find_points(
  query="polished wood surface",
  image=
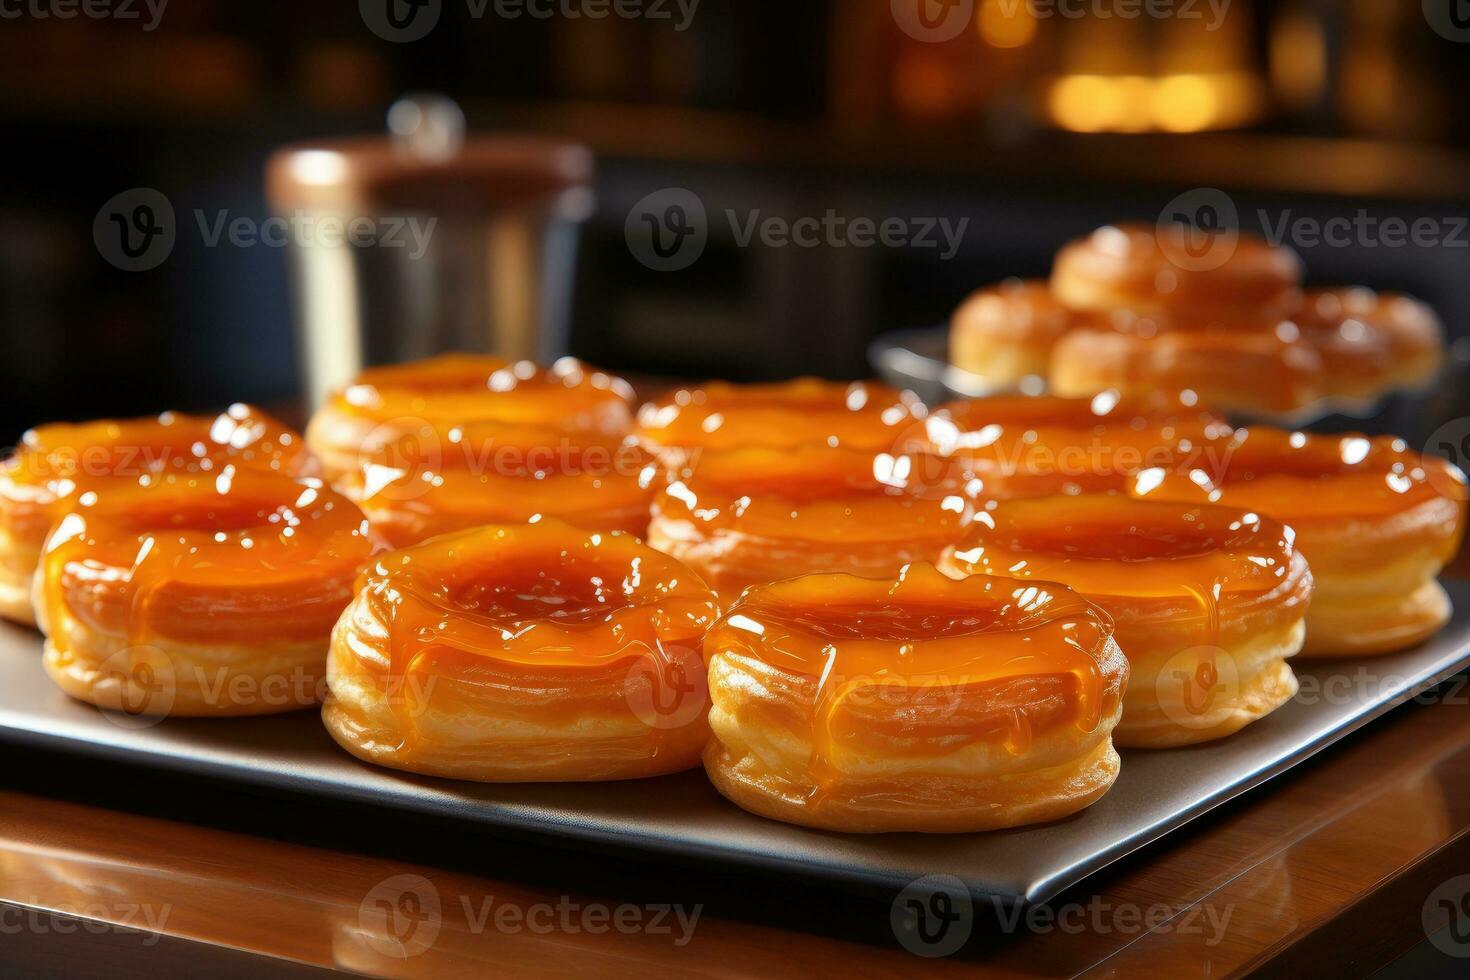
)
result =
(1328, 868)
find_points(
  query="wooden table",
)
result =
(108, 869)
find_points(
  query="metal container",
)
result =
(427, 240)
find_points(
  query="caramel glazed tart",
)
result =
(963, 737)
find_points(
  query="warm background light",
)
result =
(1006, 23)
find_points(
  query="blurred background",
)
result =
(1034, 121)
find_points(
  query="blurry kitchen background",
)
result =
(1035, 128)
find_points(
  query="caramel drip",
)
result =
(543, 596)
(924, 632)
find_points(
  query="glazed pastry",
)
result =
(396, 416)
(1375, 520)
(1023, 446)
(861, 415)
(1208, 602)
(199, 594)
(1358, 317)
(1004, 334)
(56, 465)
(917, 704)
(526, 653)
(1265, 370)
(749, 516)
(1172, 270)
(499, 474)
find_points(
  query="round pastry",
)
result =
(1249, 368)
(57, 464)
(748, 516)
(526, 653)
(1408, 328)
(409, 410)
(1208, 602)
(1174, 269)
(918, 704)
(1357, 356)
(490, 473)
(1004, 334)
(1023, 446)
(861, 415)
(1375, 520)
(199, 594)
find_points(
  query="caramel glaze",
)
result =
(57, 464)
(410, 405)
(1036, 446)
(1173, 576)
(1371, 515)
(718, 416)
(557, 633)
(1168, 268)
(752, 515)
(189, 563)
(909, 673)
(489, 473)
(1406, 333)
(1250, 364)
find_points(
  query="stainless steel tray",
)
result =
(682, 816)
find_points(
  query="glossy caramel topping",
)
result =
(221, 543)
(456, 389)
(62, 461)
(1024, 309)
(543, 594)
(491, 473)
(1020, 445)
(820, 493)
(1178, 267)
(1359, 315)
(972, 638)
(1108, 545)
(1301, 478)
(862, 415)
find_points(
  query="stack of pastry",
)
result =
(856, 614)
(1139, 309)
(459, 441)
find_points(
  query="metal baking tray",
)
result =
(683, 817)
(917, 358)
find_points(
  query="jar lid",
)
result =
(428, 164)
